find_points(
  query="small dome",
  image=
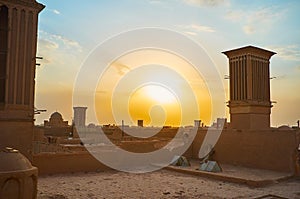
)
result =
(91, 125)
(13, 160)
(284, 127)
(56, 115)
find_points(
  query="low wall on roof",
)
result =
(265, 149)
(51, 163)
(271, 149)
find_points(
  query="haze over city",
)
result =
(149, 99)
(215, 25)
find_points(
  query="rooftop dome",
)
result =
(18, 178)
(13, 160)
(284, 127)
(56, 115)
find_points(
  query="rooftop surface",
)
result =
(168, 184)
(236, 174)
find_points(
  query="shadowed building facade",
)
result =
(18, 40)
(249, 104)
(140, 123)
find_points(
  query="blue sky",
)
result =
(70, 30)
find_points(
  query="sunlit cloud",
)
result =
(56, 12)
(60, 41)
(56, 47)
(200, 28)
(290, 52)
(121, 68)
(67, 42)
(249, 29)
(204, 3)
(193, 29)
(155, 2)
(190, 33)
(255, 21)
(43, 43)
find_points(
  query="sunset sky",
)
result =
(69, 31)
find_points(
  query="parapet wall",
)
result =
(51, 163)
(265, 149)
(82, 161)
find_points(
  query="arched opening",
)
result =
(3, 50)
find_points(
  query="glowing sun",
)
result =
(159, 94)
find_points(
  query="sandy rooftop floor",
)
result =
(159, 184)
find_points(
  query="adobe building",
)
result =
(56, 120)
(79, 116)
(18, 33)
(249, 104)
(197, 123)
(18, 39)
(56, 126)
(220, 124)
(140, 123)
(249, 141)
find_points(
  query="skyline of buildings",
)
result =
(216, 27)
(254, 61)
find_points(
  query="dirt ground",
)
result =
(159, 184)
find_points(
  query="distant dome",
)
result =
(56, 115)
(91, 125)
(284, 127)
(56, 120)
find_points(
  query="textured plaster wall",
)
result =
(50, 163)
(18, 135)
(268, 149)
